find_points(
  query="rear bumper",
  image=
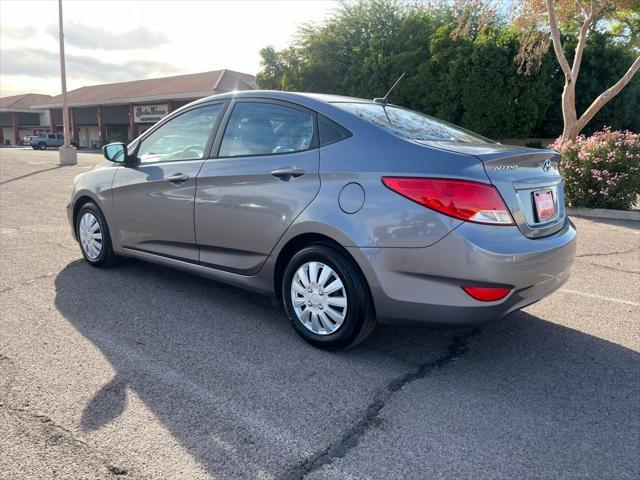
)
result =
(423, 285)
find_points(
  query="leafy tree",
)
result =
(468, 76)
(542, 21)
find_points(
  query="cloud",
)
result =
(19, 33)
(88, 37)
(44, 64)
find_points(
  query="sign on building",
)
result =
(149, 113)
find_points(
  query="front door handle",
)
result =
(288, 172)
(178, 178)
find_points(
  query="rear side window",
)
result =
(266, 129)
(330, 131)
(52, 135)
(411, 125)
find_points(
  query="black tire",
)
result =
(34, 147)
(106, 258)
(359, 320)
(42, 146)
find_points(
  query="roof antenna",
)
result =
(384, 99)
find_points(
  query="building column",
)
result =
(52, 120)
(1, 135)
(72, 126)
(16, 128)
(170, 107)
(133, 127)
(102, 128)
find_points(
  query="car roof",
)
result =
(290, 96)
(324, 104)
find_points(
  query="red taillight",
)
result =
(463, 199)
(487, 294)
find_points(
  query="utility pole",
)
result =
(68, 153)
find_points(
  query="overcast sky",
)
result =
(119, 40)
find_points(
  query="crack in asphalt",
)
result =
(51, 430)
(609, 267)
(371, 416)
(604, 254)
(25, 414)
(39, 277)
(55, 432)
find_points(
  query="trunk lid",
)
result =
(520, 174)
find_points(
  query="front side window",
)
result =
(411, 125)
(266, 129)
(181, 138)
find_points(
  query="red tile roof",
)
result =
(23, 102)
(167, 88)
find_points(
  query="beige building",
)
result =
(18, 118)
(121, 111)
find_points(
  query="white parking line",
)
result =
(600, 297)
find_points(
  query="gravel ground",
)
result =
(144, 372)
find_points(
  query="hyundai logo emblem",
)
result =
(546, 165)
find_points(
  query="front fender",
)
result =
(93, 186)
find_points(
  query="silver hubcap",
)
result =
(319, 298)
(90, 235)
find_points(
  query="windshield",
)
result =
(411, 125)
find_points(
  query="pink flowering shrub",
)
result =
(601, 171)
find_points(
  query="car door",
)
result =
(265, 173)
(153, 197)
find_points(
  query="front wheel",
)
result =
(326, 298)
(93, 236)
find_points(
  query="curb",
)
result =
(633, 216)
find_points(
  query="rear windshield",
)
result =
(411, 125)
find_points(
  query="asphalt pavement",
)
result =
(139, 371)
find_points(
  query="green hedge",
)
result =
(471, 80)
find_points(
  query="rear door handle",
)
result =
(288, 172)
(178, 178)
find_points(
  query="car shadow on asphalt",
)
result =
(224, 371)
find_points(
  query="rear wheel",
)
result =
(42, 146)
(93, 236)
(326, 298)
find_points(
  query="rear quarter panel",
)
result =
(386, 219)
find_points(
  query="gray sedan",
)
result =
(350, 211)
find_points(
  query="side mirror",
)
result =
(115, 152)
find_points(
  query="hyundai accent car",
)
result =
(350, 211)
